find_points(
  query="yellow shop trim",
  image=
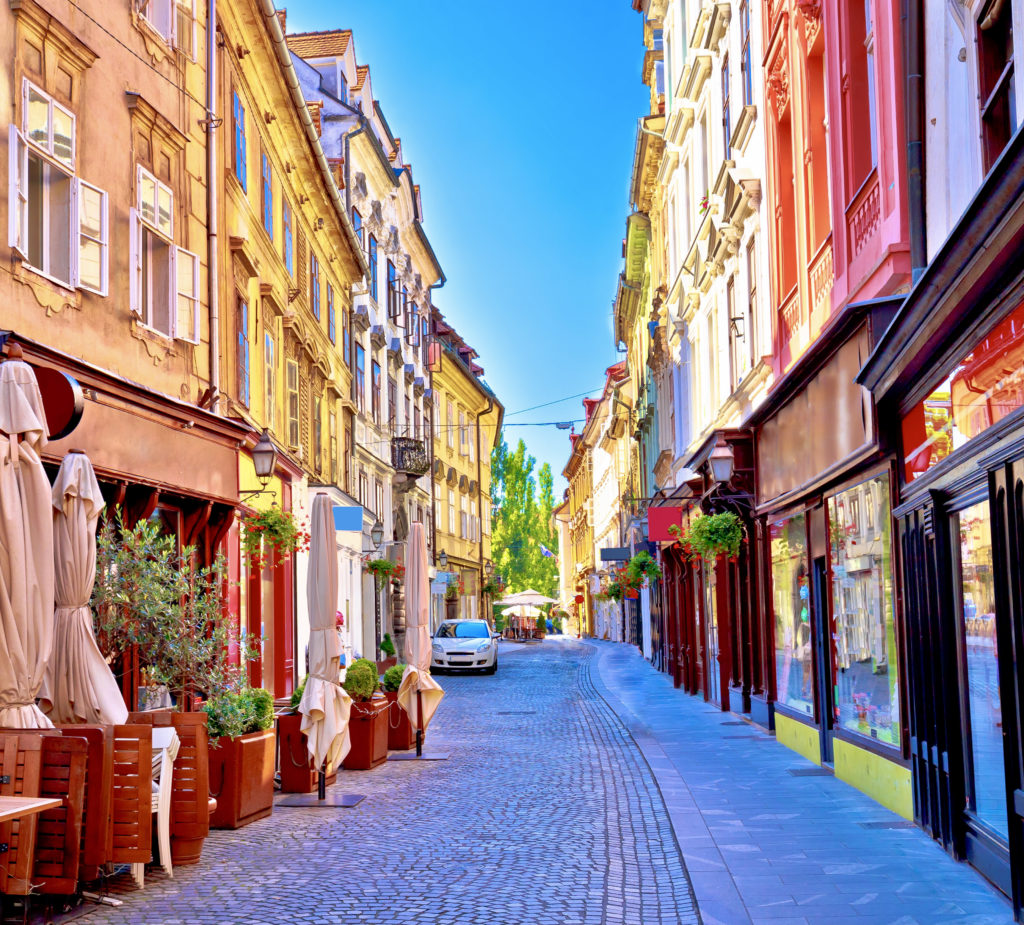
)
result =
(883, 780)
(800, 737)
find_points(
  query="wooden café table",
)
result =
(12, 808)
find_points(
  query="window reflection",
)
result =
(866, 693)
(978, 617)
(791, 597)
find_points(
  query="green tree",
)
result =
(521, 520)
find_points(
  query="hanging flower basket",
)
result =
(632, 594)
(642, 568)
(714, 535)
(381, 569)
(454, 591)
(491, 587)
(270, 536)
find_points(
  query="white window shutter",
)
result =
(187, 289)
(84, 231)
(172, 294)
(17, 204)
(74, 235)
(135, 260)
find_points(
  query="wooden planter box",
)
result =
(368, 727)
(297, 772)
(401, 734)
(241, 778)
(190, 785)
(384, 664)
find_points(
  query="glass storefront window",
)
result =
(978, 631)
(983, 388)
(860, 533)
(791, 599)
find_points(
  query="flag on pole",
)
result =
(545, 552)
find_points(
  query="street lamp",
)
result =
(442, 561)
(377, 537)
(721, 461)
(264, 461)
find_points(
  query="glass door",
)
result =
(982, 715)
(711, 646)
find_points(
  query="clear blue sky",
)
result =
(519, 121)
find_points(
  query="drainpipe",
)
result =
(212, 205)
(914, 62)
(430, 376)
(480, 485)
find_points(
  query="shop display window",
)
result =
(983, 714)
(982, 389)
(791, 600)
(866, 664)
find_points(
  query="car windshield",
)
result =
(466, 630)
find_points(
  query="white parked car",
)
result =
(464, 644)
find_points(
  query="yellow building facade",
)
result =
(468, 419)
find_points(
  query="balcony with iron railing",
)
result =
(409, 456)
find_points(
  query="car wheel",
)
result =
(491, 669)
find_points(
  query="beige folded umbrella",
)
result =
(325, 704)
(78, 686)
(26, 548)
(419, 694)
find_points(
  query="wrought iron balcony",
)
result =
(409, 455)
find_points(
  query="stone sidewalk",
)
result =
(763, 846)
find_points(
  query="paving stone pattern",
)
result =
(546, 813)
(765, 846)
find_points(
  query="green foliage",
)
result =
(298, 692)
(235, 713)
(361, 679)
(393, 677)
(642, 565)
(271, 535)
(556, 624)
(387, 646)
(714, 535)
(521, 520)
(149, 595)
(381, 570)
(499, 622)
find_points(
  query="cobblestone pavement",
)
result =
(545, 814)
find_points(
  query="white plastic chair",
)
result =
(165, 749)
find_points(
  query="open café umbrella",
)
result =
(419, 694)
(26, 547)
(325, 704)
(529, 597)
(78, 686)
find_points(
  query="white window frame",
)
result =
(21, 145)
(169, 31)
(138, 225)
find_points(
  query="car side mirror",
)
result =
(495, 635)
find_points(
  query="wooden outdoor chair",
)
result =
(132, 795)
(165, 749)
(58, 846)
(97, 816)
(21, 769)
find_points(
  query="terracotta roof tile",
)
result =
(361, 71)
(320, 44)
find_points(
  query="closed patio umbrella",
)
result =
(325, 704)
(78, 686)
(26, 548)
(418, 693)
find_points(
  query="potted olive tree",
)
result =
(241, 756)
(368, 721)
(401, 735)
(156, 602)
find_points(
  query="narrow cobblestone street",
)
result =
(546, 813)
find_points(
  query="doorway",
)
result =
(824, 668)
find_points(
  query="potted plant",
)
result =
(401, 735)
(713, 535)
(241, 755)
(296, 766)
(368, 721)
(156, 602)
(642, 568)
(387, 647)
(381, 570)
(272, 535)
